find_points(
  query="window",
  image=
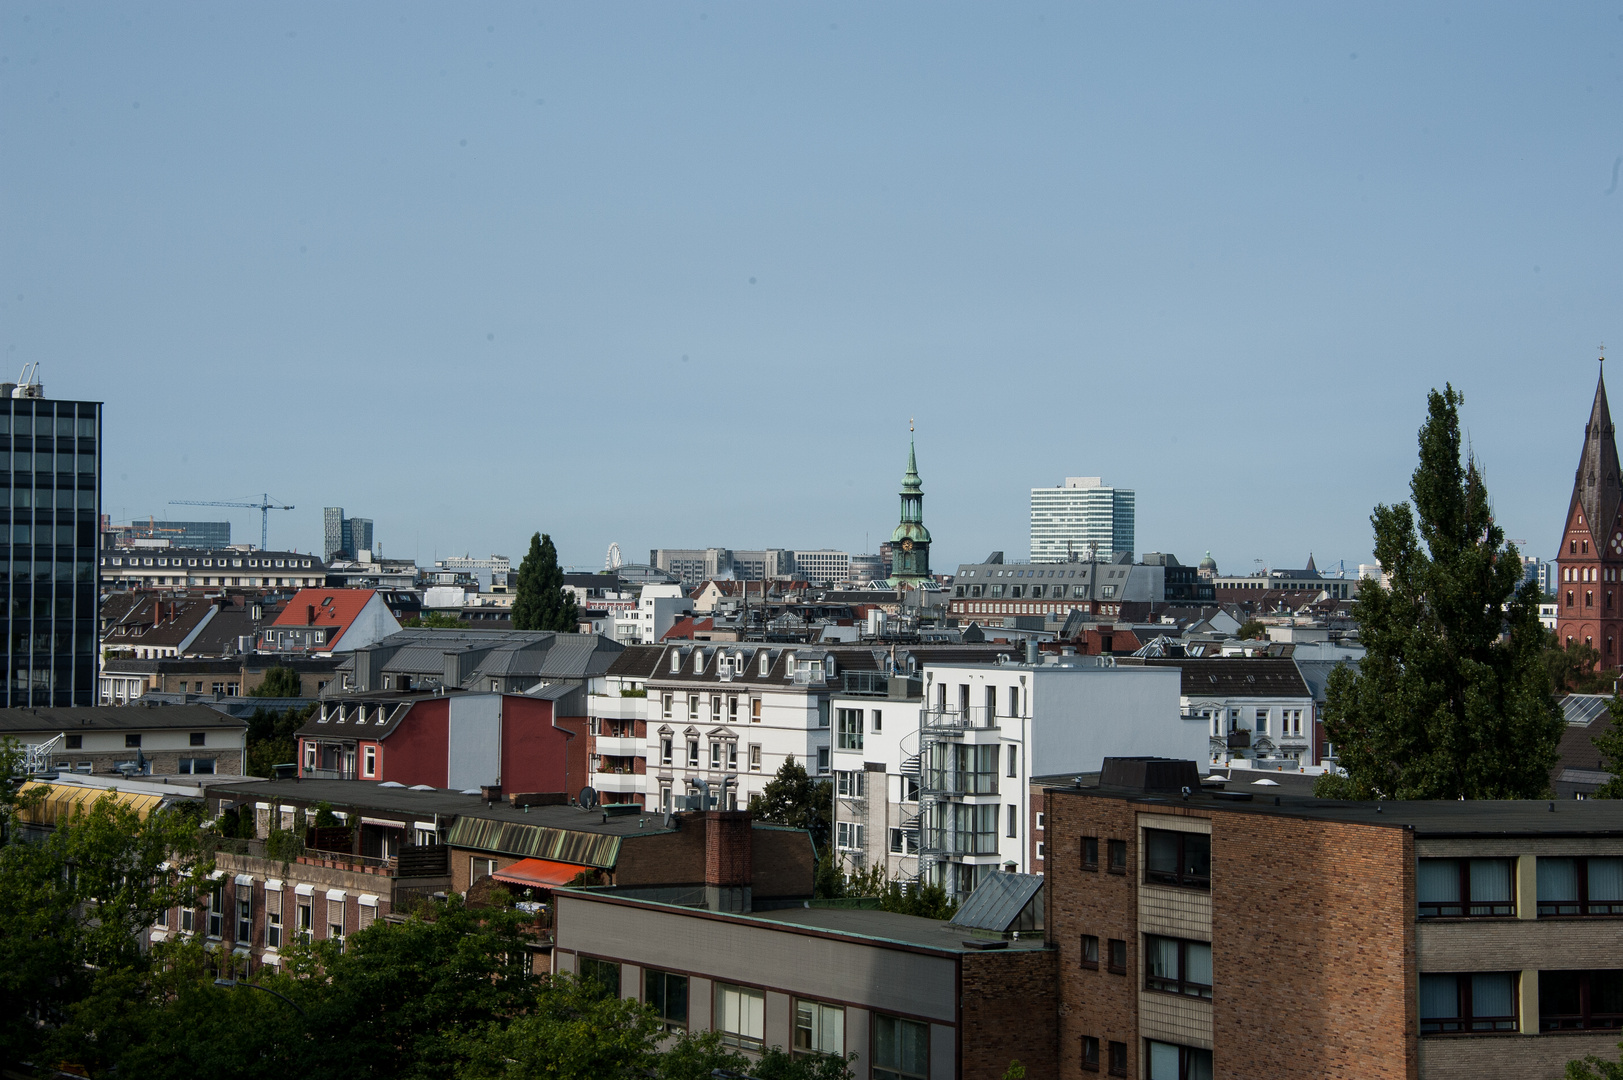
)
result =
(819, 1028)
(1039, 851)
(196, 738)
(369, 761)
(1118, 1059)
(1090, 853)
(196, 766)
(755, 710)
(732, 708)
(876, 718)
(132, 741)
(715, 754)
(850, 835)
(822, 759)
(1174, 966)
(693, 706)
(273, 918)
(850, 783)
(1261, 724)
(187, 920)
(1090, 1053)
(1118, 856)
(1458, 1004)
(1039, 819)
(732, 755)
(1118, 956)
(1169, 1062)
(479, 867)
(666, 703)
(1580, 886)
(1580, 1000)
(693, 753)
(1178, 858)
(604, 975)
(665, 751)
(740, 1012)
(755, 757)
(1012, 827)
(668, 994)
(1090, 951)
(848, 727)
(1014, 761)
(216, 912)
(715, 707)
(75, 742)
(1465, 888)
(901, 1048)
(245, 914)
(306, 918)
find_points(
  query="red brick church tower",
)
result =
(1590, 593)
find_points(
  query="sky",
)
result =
(680, 274)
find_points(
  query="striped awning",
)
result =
(539, 873)
(536, 841)
(62, 801)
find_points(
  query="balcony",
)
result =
(959, 783)
(619, 783)
(975, 717)
(1239, 740)
(623, 746)
(328, 774)
(605, 707)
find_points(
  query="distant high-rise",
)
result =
(1081, 517)
(54, 455)
(343, 537)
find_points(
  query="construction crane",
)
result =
(264, 506)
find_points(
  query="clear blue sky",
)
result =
(678, 274)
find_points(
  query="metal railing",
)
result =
(329, 774)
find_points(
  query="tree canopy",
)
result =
(539, 601)
(1452, 698)
(279, 682)
(793, 798)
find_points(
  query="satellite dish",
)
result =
(588, 798)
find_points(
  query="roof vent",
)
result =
(392, 783)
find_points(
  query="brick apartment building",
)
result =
(1223, 933)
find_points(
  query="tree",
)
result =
(1594, 1068)
(1574, 668)
(1251, 628)
(1610, 745)
(435, 620)
(271, 739)
(1452, 698)
(793, 798)
(279, 681)
(540, 602)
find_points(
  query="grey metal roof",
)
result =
(997, 902)
(114, 717)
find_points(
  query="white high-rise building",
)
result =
(1081, 515)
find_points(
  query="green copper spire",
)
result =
(910, 542)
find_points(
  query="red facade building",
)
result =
(1590, 595)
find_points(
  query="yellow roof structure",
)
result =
(61, 801)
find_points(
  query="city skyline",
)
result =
(1202, 237)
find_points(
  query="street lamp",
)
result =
(233, 984)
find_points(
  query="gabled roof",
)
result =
(337, 608)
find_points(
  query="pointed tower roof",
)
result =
(911, 482)
(1597, 487)
(1310, 567)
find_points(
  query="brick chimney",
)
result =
(309, 614)
(729, 865)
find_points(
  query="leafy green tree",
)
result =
(1452, 698)
(540, 602)
(279, 681)
(271, 739)
(1574, 669)
(1251, 628)
(436, 620)
(793, 798)
(1594, 1068)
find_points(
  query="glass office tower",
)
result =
(53, 453)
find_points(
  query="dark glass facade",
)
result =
(50, 519)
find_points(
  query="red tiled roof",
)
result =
(325, 607)
(684, 628)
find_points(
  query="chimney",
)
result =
(309, 614)
(729, 865)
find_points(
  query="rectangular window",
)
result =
(822, 760)
(197, 737)
(693, 707)
(1466, 888)
(666, 702)
(245, 915)
(1167, 1061)
(755, 757)
(1039, 820)
(819, 1028)
(1014, 761)
(1090, 951)
(1118, 956)
(187, 920)
(732, 708)
(369, 761)
(715, 708)
(848, 728)
(755, 710)
(740, 1016)
(306, 927)
(132, 741)
(1580, 1000)
(1580, 886)
(1118, 1059)
(1012, 827)
(715, 755)
(1463, 1003)
(668, 994)
(1090, 1053)
(1178, 858)
(1118, 856)
(273, 918)
(1175, 966)
(850, 836)
(693, 753)
(1090, 853)
(665, 751)
(216, 912)
(479, 867)
(901, 1048)
(1262, 722)
(732, 756)
(876, 718)
(602, 974)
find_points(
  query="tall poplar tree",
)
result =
(1452, 698)
(540, 602)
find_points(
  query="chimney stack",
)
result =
(729, 863)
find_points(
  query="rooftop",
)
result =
(115, 718)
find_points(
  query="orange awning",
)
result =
(539, 873)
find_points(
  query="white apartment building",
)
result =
(945, 793)
(658, 608)
(1081, 516)
(1253, 710)
(823, 566)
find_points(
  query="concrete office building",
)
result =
(53, 454)
(343, 537)
(1080, 517)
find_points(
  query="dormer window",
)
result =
(698, 661)
(766, 663)
(676, 662)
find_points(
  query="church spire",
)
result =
(1596, 488)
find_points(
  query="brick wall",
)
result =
(728, 848)
(1098, 1002)
(785, 864)
(663, 858)
(1009, 1008)
(1314, 950)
